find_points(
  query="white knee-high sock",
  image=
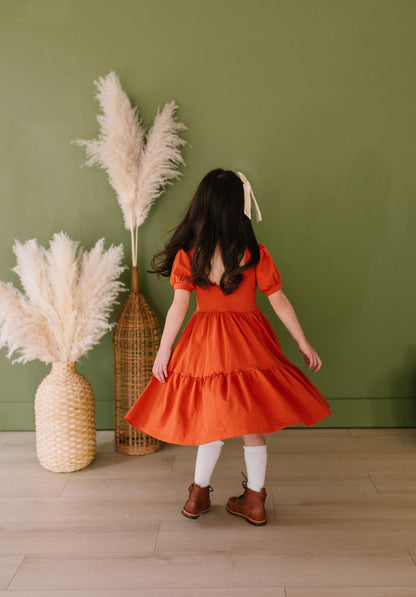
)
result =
(256, 462)
(206, 459)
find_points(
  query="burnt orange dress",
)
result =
(227, 375)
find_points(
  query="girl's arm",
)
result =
(174, 319)
(286, 313)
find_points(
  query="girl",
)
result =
(227, 375)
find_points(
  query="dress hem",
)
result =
(186, 442)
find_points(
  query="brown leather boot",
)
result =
(249, 505)
(198, 500)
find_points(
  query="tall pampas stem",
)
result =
(139, 169)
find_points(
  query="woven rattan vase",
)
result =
(136, 338)
(65, 420)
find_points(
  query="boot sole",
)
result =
(189, 515)
(257, 523)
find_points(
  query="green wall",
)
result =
(313, 100)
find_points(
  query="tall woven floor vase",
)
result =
(65, 420)
(136, 339)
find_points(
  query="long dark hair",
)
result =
(214, 215)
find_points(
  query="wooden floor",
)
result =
(341, 509)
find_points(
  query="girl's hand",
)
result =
(160, 366)
(311, 356)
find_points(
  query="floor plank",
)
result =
(217, 570)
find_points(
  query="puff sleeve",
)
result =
(267, 275)
(181, 268)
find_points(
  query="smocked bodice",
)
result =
(242, 299)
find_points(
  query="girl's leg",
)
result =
(206, 459)
(254, 439)
(255, 456)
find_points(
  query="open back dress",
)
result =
(227, 374)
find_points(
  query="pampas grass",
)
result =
(68, 296)
(138, 170)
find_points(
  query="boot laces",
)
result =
(244, 484)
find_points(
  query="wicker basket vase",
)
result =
(136, 339)
(65, 420)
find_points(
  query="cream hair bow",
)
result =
(248, 194)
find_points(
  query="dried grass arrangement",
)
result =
(62, 313)
(139, 167)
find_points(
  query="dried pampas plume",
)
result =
(138, 170)
(68, 296)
